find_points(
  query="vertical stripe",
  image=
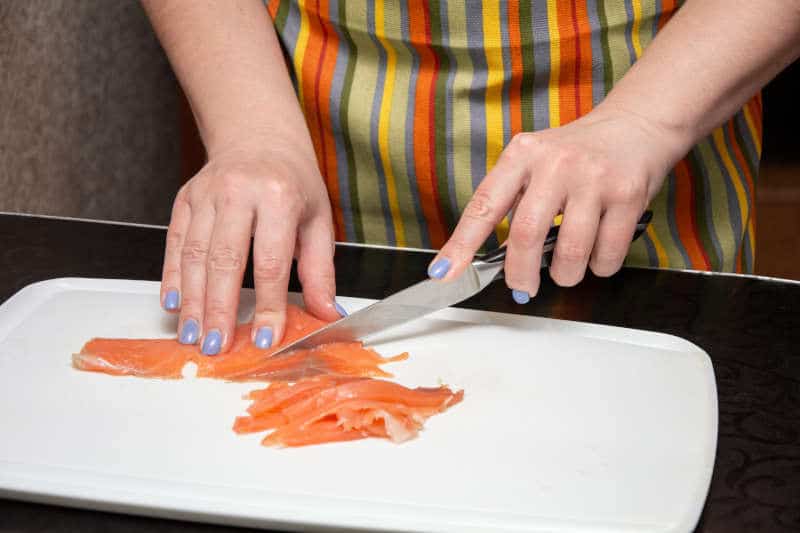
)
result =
(343, 217)
(440, 119)
(497, 113)
(386, 105)
(555, 63)
(541, 61)
(323, 92)
(424, 135)
(737, 200)
(527, 52)
(409, 127)
(598, 52)
(706, 207)
(374, 22)
(477, 100)
(300, 53)
(685, 216)
(515, 48)
(672, 193)
(359, 109)
(449, 65)
(309, 75)
(583, 57)
(395, 28)
(349, 187)
(493, 47)
(462, 90)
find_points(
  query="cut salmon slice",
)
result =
(329, 409)
(165, 358)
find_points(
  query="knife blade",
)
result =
(423, 298)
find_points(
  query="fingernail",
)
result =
(263, 338)
(439, 268)
(189, 332)
(521, 297)
(171, 300)
(339, 309)
(212, 343)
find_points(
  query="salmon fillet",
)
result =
(165, 358)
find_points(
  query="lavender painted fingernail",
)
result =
(521, 297)
(212, 343)
(263, 338)
(189, 332)
(439, 268)
(172, 300)
(339, 309)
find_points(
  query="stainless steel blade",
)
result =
(401, 307)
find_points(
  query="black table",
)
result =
(749, 326)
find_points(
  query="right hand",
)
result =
(273, 193)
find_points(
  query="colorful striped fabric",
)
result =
(410, 103)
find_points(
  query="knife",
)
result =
(424, 298)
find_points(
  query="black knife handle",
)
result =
(499, 253)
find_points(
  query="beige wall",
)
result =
(88, 111)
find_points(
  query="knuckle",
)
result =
(191, 304)
(571, 252)
(269, 268)
(283, 194)
(480, 207)
(524, 230)
(521, 143)
(217, 309)
(627, 191)
(458, 247)
(233, 189)
(225, 259)
(194, 252)
(171, 273)
(174, 238)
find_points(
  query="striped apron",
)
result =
(410, 103)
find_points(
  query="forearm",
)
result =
(707, 62)
(228, 60)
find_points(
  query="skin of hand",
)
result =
(603, 169)
(261, 179)
(277, 196)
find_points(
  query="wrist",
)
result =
(670, 140)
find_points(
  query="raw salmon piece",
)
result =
(326, 409)
(165, 358)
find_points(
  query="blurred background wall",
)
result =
(88, 112)
(93, 124)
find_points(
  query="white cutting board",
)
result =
(564, 426)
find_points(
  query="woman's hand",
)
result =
(601, 171)
(274, 193)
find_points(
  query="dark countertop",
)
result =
(749, 326)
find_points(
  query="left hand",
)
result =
(601, 171)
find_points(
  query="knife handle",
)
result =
(499, 254)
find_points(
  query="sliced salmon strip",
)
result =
(326, 409)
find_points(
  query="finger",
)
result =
(613, 240)
(489, 204)
(575, 240)
(533, 217)
(227, 258)
(176, 235)
(315, 269)
(273, 247)
(193, 274)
